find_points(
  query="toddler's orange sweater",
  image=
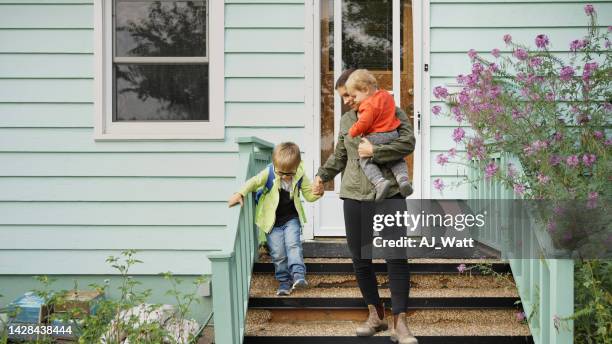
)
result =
(376, 115)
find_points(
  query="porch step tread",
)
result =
(345, 265)
(345, 285)
(422, 323)
(385, 339)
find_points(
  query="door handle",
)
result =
(410, 92)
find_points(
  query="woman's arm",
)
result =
(398, 148)
(335, 163)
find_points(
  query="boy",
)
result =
(377, 121)
(280, 214)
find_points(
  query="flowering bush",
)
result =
(552, 115)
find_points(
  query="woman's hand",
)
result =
(365, 149)
(317, 186)
(235, 199)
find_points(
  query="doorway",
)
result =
(375, 35)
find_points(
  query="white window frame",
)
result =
(106, 129)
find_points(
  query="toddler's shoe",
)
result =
(299, 282)
(405, 187)
(284, 289)
(382, 188)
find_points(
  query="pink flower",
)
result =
(495, 52)
(441, 159)
(592, 202)
(541, 41)
(566, 73)
(519, 189)
(472, 54)
(577, 44)
(589, 68)
(521, 54)
(551, 227)
(440, 92)
(477, 68)
(458, 134)
(588, 159)
(507, 38)
(610, 28)
(490, 170)
(438, 184)
(461, 268)
(436, 110)
(457, 113)
(598, 134)
(589, 10)
(550, 96)
(535, 62)
(572, 161)
(608, 142)
(543, 179)
(452, 152)
(520, 316)
(607, 44)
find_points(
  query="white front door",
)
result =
(375, 35)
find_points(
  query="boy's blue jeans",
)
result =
(286, 251)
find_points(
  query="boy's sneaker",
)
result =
(284, 289)
(300, 283)
(382, 188)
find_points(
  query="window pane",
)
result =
(160, 28)
(161, 92)
(367, 34)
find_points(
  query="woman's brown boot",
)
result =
(400, 332)
(376, 322)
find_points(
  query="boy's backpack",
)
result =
(269, 183)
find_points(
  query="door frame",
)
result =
(421, 86)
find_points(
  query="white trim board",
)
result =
(106, 129)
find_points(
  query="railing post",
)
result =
(223, 301)
(562, 300)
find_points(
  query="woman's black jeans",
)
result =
(359, 234)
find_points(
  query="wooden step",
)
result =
(430, 326)
(417, 266)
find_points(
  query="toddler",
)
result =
(378, 123)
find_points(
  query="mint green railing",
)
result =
(545, 286)
(232, 267)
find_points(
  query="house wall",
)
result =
(459, 25)
(67, 202)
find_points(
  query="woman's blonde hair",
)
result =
(286, 157)
(361, 80)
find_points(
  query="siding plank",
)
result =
(264, 40)
(93, 262)
(264, 90)
(106, 189)
(47, 17)
(46, 66)
(46, 90)
(46, 115)
(114, 164)
(46, 41)
(81, 140)
(264, 65)
(534, 14)
(264, 15)
(114, 213)
(167, 238)
(464, 39)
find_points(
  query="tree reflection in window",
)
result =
(154, 84)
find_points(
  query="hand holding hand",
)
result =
(365, 149)
(235, 199)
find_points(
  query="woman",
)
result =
(357, 194)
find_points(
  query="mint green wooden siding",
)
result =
(460, 25)
(70, 202)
